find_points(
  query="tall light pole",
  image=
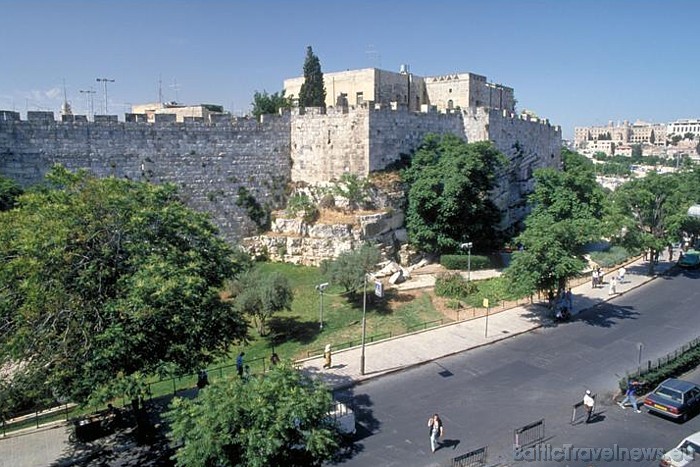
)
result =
(321, 288)
(90, 103)
(468, 246)
(364, 328)
(104, 82)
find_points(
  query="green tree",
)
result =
(643, 205)
(265, 104)
(448, 183)
(260, 296)
(312, 92)
(354, 189)
(279, 419)
(9, 192)
(350, 267)
(568, 209)
(120, 278)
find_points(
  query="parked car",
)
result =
(690, 260)
(683, 454)
(674, 398)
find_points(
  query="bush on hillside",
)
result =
(453, 285)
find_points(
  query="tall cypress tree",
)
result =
(312, 93)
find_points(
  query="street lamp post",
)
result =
(364, 327)
(321, 288)
(90, 104)
(468, 246)
(104, 82)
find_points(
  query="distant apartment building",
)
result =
(619, 138)
(176, 111)
(682, 127)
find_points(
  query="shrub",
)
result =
(462, 262)
(453, 285)
(327, 201)
(683, 362)
(301, 204)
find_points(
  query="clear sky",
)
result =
(577, 63)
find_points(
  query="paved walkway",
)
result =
(407, 351)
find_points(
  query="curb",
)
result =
(359, 382)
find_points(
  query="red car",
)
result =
(674, 398)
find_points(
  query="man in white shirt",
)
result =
(588, 404)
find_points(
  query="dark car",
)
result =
(674, 398)
(690, 260)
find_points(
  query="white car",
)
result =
(683, 454)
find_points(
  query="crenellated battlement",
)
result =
(212, 158)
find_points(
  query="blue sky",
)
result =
(575, 62)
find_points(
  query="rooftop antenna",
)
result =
(176, 88)
(65, 108)
(373, 56)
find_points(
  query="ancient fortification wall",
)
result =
(210, 161)
(207, 161)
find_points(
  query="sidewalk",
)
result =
(411, 350)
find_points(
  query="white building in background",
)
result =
(681, 127)
(655, 139)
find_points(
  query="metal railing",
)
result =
(475, 458)
(529, 435)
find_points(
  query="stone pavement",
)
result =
(400, 353)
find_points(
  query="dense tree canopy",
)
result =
(107, 278)
(264, 103)
(654, 209)
(313, 91)
(278, 419)
(449, 182)
(567, 212)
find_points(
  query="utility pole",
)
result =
(104, 82)
(90, 104)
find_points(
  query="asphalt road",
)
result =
(484, 394)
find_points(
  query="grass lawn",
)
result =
(295, 334)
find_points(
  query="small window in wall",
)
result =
(450, 104)
(329, 136)
(359, 98)
(450, 91)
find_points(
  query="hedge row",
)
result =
(685, 361)
(462, 262)
(611, 257)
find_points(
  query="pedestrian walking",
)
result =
(613, 286)
(569, 301)
(202, 379)
(327, 356)
(588, 404)
(246, 373)
(239, 364)
(631, 395)
(435, 430)
(594, 279)
(670, 252)
(621, 274)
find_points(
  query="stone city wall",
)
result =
(209, 162)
